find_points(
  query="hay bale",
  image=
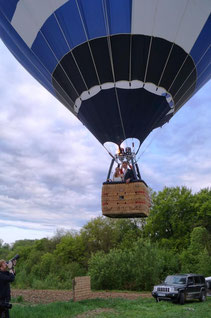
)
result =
(81, 288)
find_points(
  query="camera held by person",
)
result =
(12, 262)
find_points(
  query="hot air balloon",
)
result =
(122, 67)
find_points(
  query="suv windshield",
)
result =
(175, 280)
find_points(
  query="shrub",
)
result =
(137, 268)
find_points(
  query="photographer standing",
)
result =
(6, 277)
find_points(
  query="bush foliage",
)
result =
(132, 254)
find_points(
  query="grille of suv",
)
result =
(163, 289)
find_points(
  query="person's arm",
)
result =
(130, 176)
(7, 277)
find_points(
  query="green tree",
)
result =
(70, 249)
(202, 203)
(104, 234)
(99, 235)
(172, 218)
(196, 257)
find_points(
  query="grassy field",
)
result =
(112, 308)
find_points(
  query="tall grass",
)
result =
(113, 308)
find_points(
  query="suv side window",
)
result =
(202, 280)
(182, 280)
(190, 280)
(197, 280)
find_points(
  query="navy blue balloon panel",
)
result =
(123, 67)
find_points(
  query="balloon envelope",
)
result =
(123, 67)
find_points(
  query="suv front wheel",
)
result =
(182, 298)
(202, 296)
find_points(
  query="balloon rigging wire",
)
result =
(138, 148)
(173, 43)
(148, 57)
(87, 39)
(193, 70)
(178, 72)
(183, 65)
(59, 63)
(51, 49)
(180, 23)
(104, 6)
(147, 146)
(71, 51)
(150, 44)
(130, 60)
(111, 154)
(164, 68)
(176, 110)
(178, 29)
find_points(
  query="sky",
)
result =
(52, 168)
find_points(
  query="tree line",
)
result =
(131, 254)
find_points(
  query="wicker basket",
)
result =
(122, 200)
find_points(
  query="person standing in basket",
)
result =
(128, 173)
(118, 175)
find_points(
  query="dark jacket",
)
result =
(5, 279)
(129, 175)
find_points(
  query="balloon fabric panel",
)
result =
(8, 8)
(100, 50)
(92, 15)
(119, 16)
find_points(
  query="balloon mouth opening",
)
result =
(135, 84)
(114, 149)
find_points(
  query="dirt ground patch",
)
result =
(98, 311)
(48, 296)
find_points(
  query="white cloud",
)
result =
(181, 152)
(11, 233)
(49, 170)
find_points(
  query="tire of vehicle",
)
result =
(182, 298)
(157, 300)
(202, 296)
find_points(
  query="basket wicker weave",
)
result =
(122, 200)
